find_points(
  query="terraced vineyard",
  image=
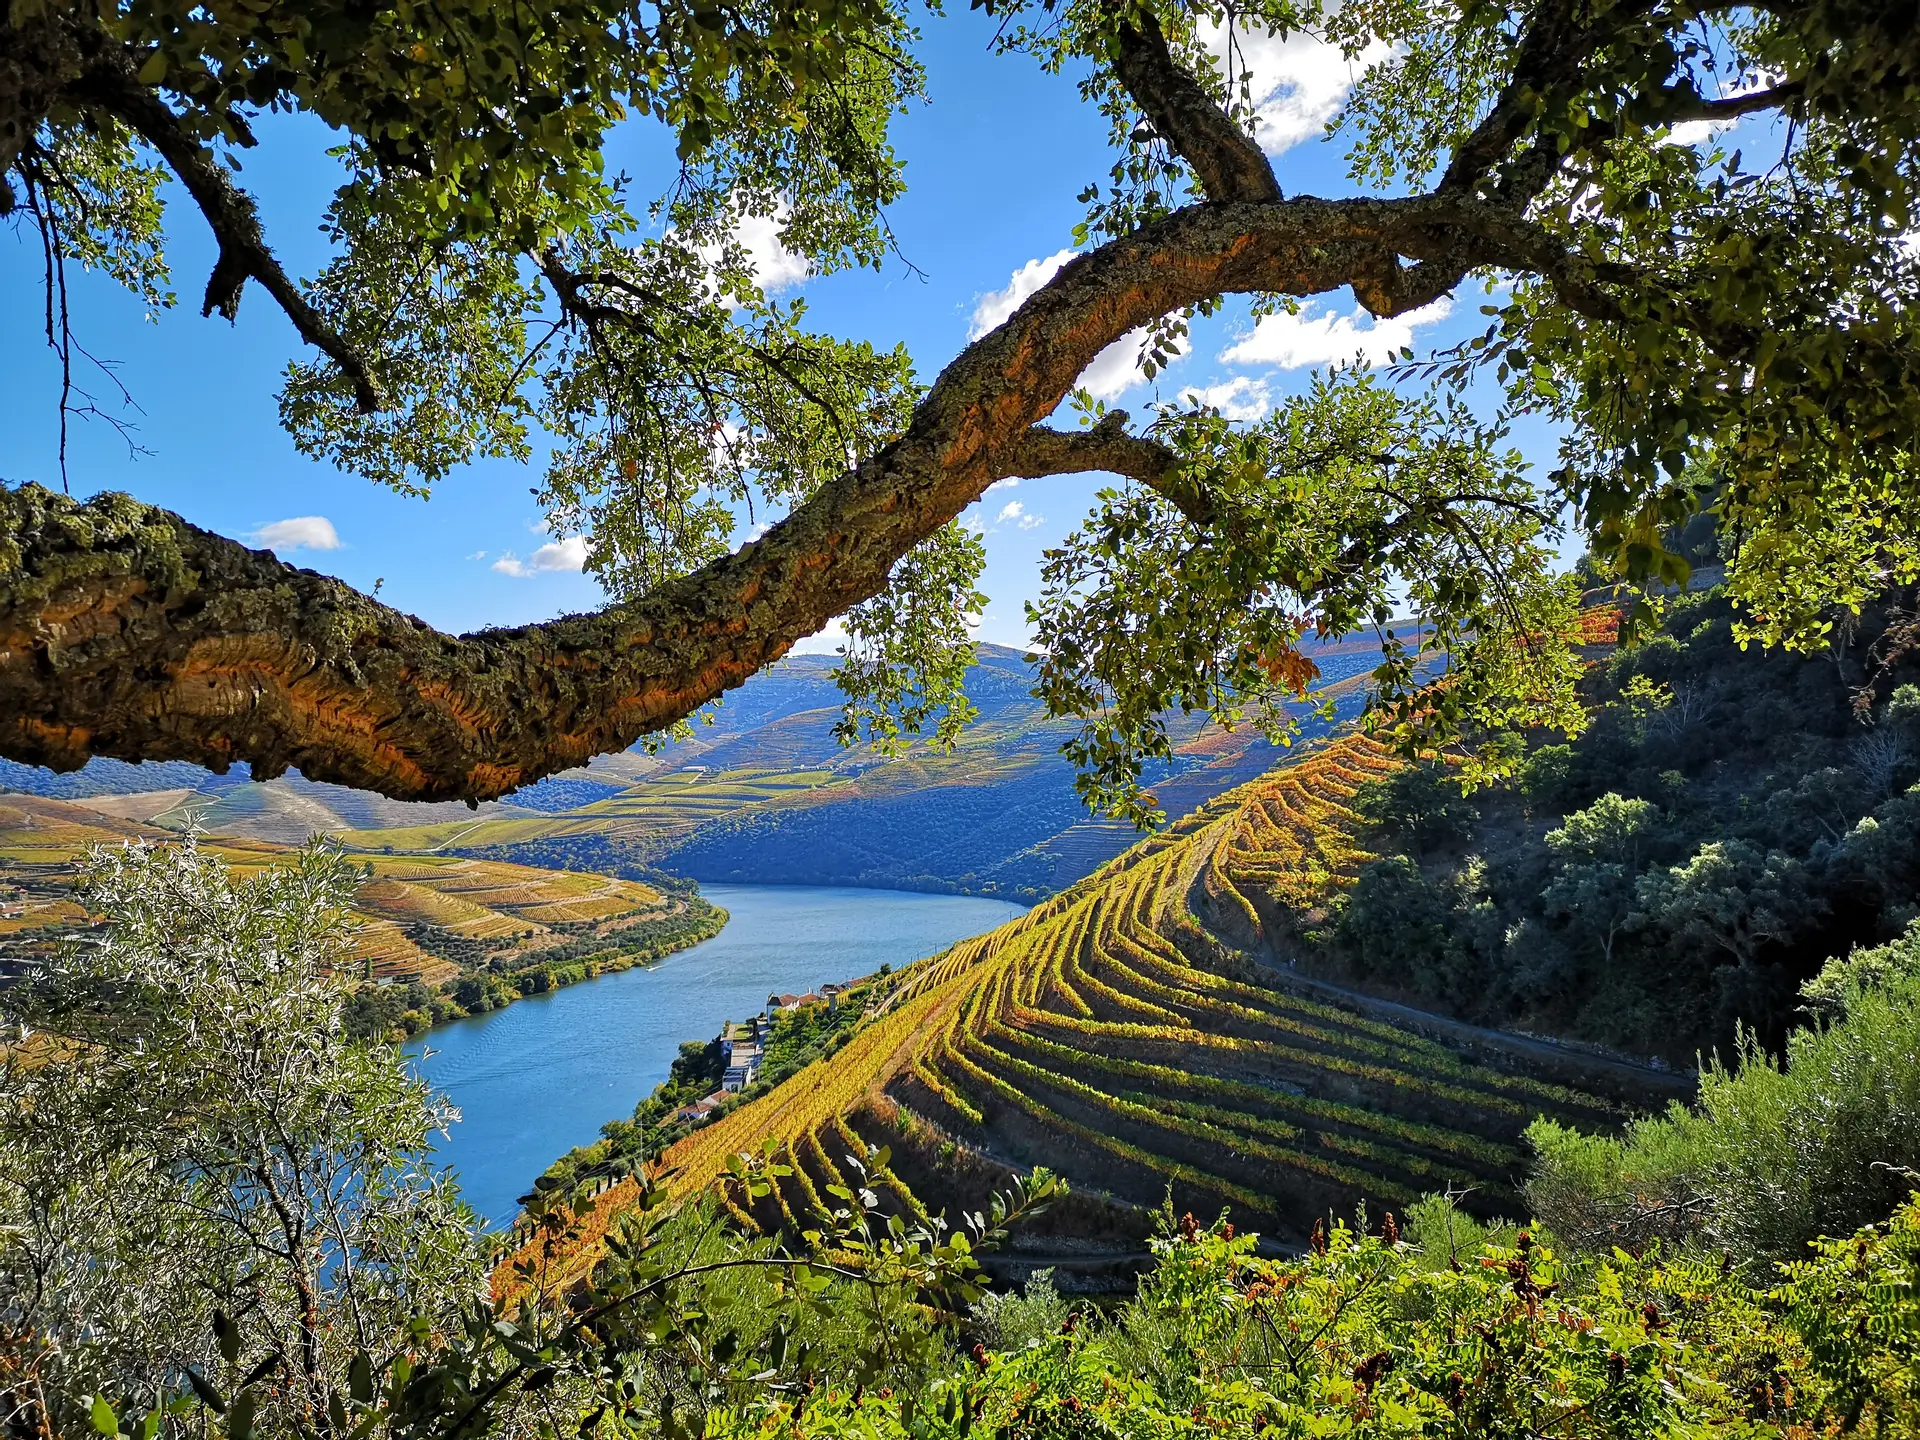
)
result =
(1140, 1032)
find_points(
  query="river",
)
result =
(544, 1074)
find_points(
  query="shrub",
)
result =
(1547, 778)
(1383, 1336)
(1013, 1320)
(1421, 804)
(1893, 966)
(1775, 1152)
(1400, 927)
(204, 1175)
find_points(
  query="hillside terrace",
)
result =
(1138, 1034)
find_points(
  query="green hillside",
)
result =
(1729, 820)
(1346, 981)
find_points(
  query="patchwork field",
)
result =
(424, 918)
(1142, 1034)
(651, 813)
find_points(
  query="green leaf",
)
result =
(360, 1378)
(104, 1420)
(240, 1420)
(227, 1335)
(209, 1396)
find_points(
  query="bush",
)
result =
(1774, 1153)
(1006, 1320)
(1421, 804)
(1377, 1335)
(1400, 927)
(1547, 779)
(1449, 1329)
(205, 1175)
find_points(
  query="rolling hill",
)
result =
(763, 793)
(427, 925)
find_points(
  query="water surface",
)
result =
(544, 1074)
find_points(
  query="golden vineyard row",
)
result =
(1104, 1033)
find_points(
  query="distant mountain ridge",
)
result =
(762, 793)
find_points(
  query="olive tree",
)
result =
(1678, 311)
(204, 1183)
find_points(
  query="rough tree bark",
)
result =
(125, 631)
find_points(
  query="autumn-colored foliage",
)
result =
(1121, 1033)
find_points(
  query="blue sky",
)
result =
(994, 161)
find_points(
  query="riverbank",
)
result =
(586, 950)
(553, 1071)
(708, 1081)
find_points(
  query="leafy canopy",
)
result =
(1703, 322)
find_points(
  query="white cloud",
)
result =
(995, 307)
(1698, 132)
(1116, 369)
(1014, 513)
(569, 554)
(478, 555)
(1320, 335)
(1241, 398)
(775, 267)
(1694, 132)
(302, 532)
(1297, 84)
(826, 641)
(1012, 482)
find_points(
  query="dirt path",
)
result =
(1556, 1053)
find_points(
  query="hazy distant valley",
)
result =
(763, 794)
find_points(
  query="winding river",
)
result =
(542, 1075)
